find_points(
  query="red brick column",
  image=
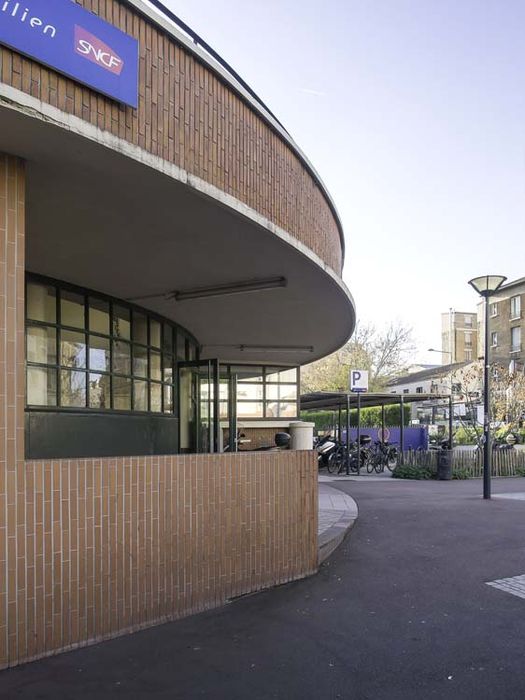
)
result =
(13, 618)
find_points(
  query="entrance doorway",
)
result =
(199, 406)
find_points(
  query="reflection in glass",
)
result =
(140, 400)
(121, 357)
(72, 349)
(98, 316)
(41, 386)
(140, 328)
(191, 351)
(249, 409)
(181, 347)
(140, 361)
(72, 309)
(278, 392)
(156, 397)
(41, 302)
(99, 355)
(72, 388)
(154, 330)
(99, 391)
(41, 345)
(281, 410)
(154, 359)
(121, 394)
(249, 392)
(121, 322)
(167, 372)
(168, 398)
(167, 339)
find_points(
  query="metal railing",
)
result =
(199, 41)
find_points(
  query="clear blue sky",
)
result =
(413, 112)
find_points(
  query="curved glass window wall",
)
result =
(88, 351)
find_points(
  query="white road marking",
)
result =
(514, 585)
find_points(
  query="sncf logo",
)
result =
(96, 51)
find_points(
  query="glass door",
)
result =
(199, 406)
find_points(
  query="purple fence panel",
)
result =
(414, 436)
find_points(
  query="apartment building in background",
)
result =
(459, 336)
(507, 326)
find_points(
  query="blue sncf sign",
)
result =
(75, 42)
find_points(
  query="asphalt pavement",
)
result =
(400, 610)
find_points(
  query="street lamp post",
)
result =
(485, 286)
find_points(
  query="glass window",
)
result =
(515, 339)
(72, 309)
(154, 329)
(72, 349)
(121, 357)
(98, 316)
(250, 409)
(140, 399)
(41, 302)
(275, 374)
(140, 328)
(494, 309)
(121, 393)
(249, 392)
(181, 347)
(167, 339)
(41, 345)
(191, 351)
(121, 322)
(277, 392)
(494, 339)
(41, 386)
(515, 307)
(247, 374)
(281, 410)
(167, 371)
(168, 398)
(99, 353)
(154, 359)
(99, 391)
(156, 397)
(72, 388)
(140, 361)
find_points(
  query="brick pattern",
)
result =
(187, 116)
(109, 546)
(13, 534)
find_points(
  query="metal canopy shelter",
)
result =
(346, 401)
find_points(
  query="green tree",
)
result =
(385, 353)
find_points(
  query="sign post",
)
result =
(359, 385)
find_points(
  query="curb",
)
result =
(333, 536)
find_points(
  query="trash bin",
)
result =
(444, 467)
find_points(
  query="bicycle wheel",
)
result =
(379, 463)
(391, 459)
(335, 461)
(369, 462)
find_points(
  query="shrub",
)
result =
(460, 474)
(370, 417)
(409, 471)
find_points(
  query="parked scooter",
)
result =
(325, 446)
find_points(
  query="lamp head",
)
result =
(487, 284)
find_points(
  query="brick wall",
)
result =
(187, 116)
(104, 547)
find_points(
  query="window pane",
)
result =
(168, 398)
(99, 391)
(281, 410)
(41, 345)
(154, 359)
(121, 322)
(121, 394)
(72, 388)
(98, 316)
(167, 372)
(181, 347)
(140, 328)
(99, 355)
(41, 386)
(277, 392)
(249, 409)
(191, 351)
(72, 349)
(223, 410)
(281, 374)
(41, 302)
(247, 374)
(140, 361)
(156, 397)
(141, 395)
(154, 331)
(121, 357)
(167, 339)
(250, 392)
(71, 309)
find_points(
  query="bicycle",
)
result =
(384, 455)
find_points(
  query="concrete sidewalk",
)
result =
(337, 514)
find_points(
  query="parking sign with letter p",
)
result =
(358, 380)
